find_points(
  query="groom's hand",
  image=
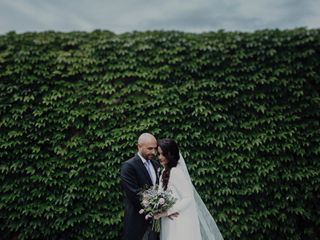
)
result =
(171, 216)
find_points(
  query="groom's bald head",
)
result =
(147, 145)
(146, 137)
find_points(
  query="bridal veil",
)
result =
(208, 227)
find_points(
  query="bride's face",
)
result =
(162, 159)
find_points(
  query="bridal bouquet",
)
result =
(155, 201)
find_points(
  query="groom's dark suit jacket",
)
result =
(134, 177)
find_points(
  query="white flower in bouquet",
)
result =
(162, 201)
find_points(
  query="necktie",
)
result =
(147, 164)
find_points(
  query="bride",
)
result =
(188, 218)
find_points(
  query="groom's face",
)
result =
(148, 149)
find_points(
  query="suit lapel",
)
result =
(143, 169)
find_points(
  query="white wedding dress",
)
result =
(186, 225)
(194, 221)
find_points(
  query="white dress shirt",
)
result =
(152, 172)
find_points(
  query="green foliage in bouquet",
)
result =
(244, 108)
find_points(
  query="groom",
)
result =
(136, 173)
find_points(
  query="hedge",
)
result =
(244, 108)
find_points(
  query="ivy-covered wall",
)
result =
(244, 108)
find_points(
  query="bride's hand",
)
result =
(171, 216)
(160, 215)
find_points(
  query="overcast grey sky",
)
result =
(183, 15)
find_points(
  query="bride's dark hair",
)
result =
(170, 150)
